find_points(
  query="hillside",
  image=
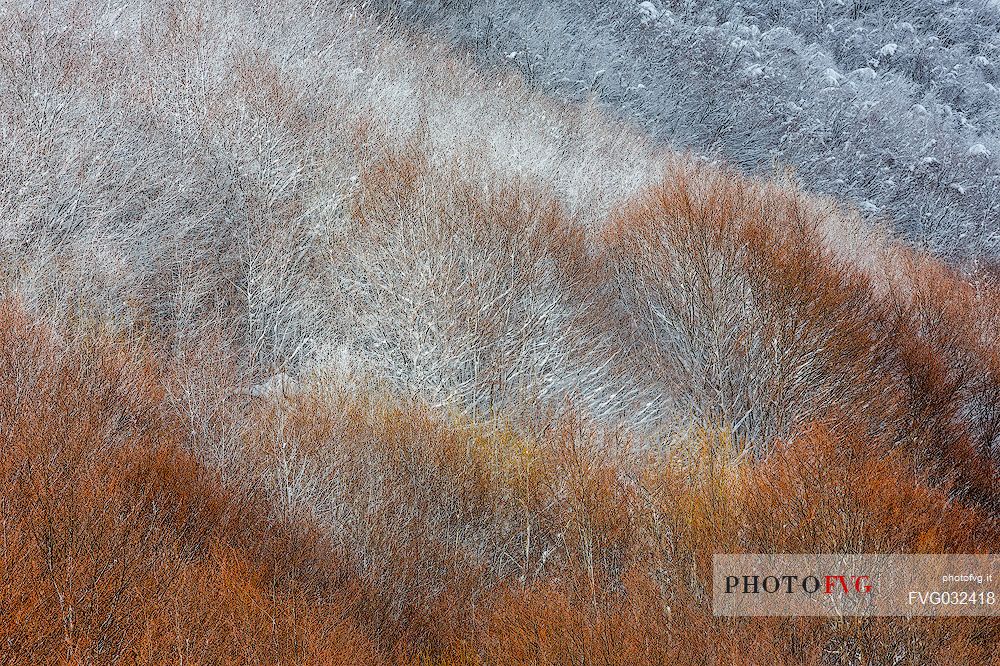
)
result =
(323, 342)
(892, 106)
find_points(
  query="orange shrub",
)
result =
(119, 546)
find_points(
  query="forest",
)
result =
(453, 333)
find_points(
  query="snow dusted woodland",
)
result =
(467, 332)
(892, 106)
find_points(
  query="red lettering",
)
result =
(831, 582)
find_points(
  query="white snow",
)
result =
(979, 150)
(864, 74)
(779, 37)
(832, 77)
(888, 50)
(648, 12)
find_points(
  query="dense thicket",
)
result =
(893, 106)
(317, 345)
(354, 528)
